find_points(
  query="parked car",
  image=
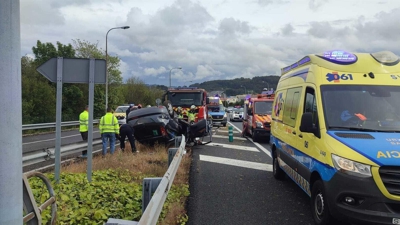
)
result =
(236, 114)
(120, 113)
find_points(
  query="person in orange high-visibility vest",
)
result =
(109, 127)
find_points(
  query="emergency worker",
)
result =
(83, 126)
(109, 127)
(126, 131)
(192, 114)
(179, 112)
(128, 111)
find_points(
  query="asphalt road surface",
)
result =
(232, 183)
(43, 141)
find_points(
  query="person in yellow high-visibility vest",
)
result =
(179, 112)
(109, 128)
(192, 114)
(83, 126)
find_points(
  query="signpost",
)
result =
(73, 70)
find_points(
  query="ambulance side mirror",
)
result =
(307, 125)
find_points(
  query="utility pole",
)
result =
(11, 200)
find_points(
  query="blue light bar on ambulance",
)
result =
(386, 58)
(296, 64)
(339, 57)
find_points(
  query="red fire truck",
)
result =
(257, 116)
(185, 97)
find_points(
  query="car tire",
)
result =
(254, 136)
(278, 173)
(319, 207)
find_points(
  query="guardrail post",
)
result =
(171, 154)
(178, 140)
(11, 202)
(149, 187)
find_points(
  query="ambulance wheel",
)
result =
(319, 206)
(277, 171)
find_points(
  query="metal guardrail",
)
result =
(52, 125)
(152, 204)
(43, 155)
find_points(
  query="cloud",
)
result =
(155, 72)
(230, 26)
(270, 2)
(43, 15)
(316, 4)
(231, 42)
(287, 30)
(60, 4)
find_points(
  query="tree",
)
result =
(85, 49)
(137, 92)
(38, 96)
(46, 51)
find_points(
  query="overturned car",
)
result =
(159, 125)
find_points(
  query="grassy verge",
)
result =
(116, 188)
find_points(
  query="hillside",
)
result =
(240, 85)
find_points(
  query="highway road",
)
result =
(43, 141)
(232, 183)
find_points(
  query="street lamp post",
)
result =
(124, 28)
(244, 89)
(267, 84)
(179, 68)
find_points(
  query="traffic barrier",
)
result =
(230, 131)
(152, 204)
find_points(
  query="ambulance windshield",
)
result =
(360, 107)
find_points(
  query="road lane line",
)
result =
(238, 147)
(236, 162)
(226, 136)
(52, 139)
(257, 144)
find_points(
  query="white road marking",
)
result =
(257, 144)
(225, 136)
(53, 139)
(236, 162)
(238, 147)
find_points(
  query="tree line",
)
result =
(39, 94)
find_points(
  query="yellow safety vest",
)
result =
(109, 124)
(191, 116)
(84, 121)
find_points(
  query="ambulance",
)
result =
(257, 116)
(335, 132)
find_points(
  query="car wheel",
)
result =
(254, 136)
(319, 207)
(277, 171)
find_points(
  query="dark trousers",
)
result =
(84, 137)
(126, 131)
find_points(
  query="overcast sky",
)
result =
(213, 39)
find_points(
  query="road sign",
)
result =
(74, 70)
(63, 70)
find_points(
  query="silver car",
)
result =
(236, 114)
